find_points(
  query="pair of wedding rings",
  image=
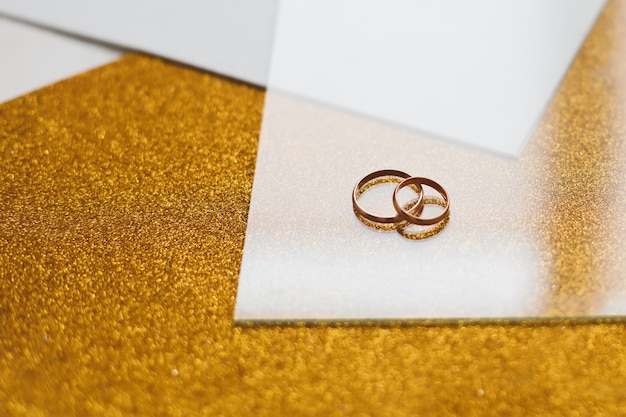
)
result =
(406, 214)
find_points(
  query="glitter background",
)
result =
(123, 201)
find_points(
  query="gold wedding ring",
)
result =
(408, 215)
(424, 232)
(358, 190)
(411, 212)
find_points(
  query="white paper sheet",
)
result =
(33, 57)
(229, 37)
(479, 73)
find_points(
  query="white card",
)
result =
(33, 57)
(229, 37)
(480, 73)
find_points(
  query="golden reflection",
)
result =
(584, 161)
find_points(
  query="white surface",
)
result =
(33, 58)
(306, 255)
(479, 72)
(230, 37)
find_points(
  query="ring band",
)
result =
(430, 231)
(409, 215)
(379, 219)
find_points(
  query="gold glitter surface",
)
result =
(123, 203)
(582, 151)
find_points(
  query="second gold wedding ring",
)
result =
(409, 215)
(399, 175)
